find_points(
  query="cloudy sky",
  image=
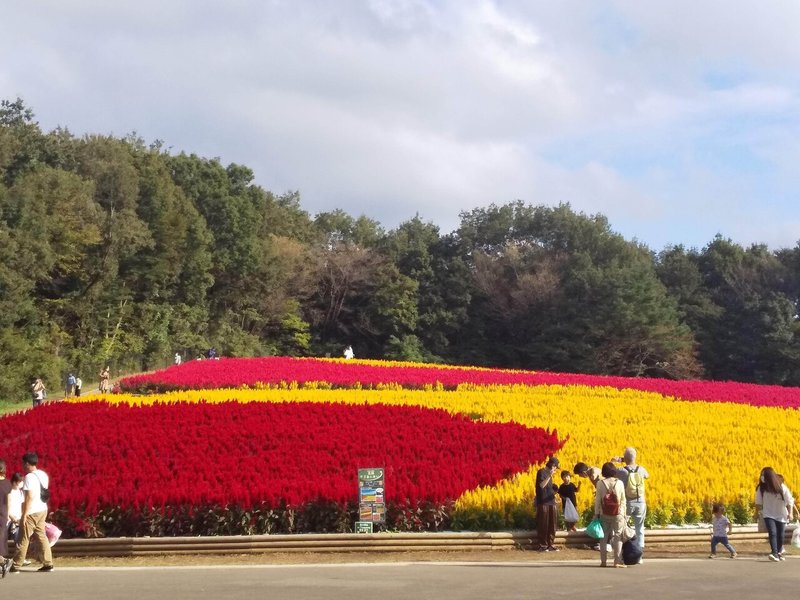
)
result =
(678, 120)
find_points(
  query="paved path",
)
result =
(658, 578)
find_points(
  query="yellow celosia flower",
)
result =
(696, 452)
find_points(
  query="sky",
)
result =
(676, 120)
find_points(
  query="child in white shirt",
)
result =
(721, 527)
(15, 498)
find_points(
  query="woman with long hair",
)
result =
(609, 507)
(774, 503)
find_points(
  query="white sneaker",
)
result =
(774, 558)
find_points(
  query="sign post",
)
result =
(371, 499)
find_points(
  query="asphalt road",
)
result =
(658, 578)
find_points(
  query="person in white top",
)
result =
(34, 513)
(38, 390)
(348, 353)
(15, 499)
(775, 504)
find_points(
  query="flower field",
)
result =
(206, 458)
(272, 445)
(255, 372)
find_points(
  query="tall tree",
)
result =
(443, 295)
(559, 290)
(752, 337)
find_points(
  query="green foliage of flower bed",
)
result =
(208, 520)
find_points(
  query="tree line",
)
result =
(115, 251)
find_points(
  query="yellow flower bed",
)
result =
(696, 452)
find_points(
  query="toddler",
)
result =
(721, 527)
(567, 492)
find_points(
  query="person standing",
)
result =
(70, 391)
(34, 513)
(5, 494)
(775, 503)
(178, 359)
(593, 475)
(15, 499)
(546, 517)
(78, 386)
(633, 476)
(38, 392)
(610, 508)
(348, 353)
(105, 375)
(569, 496)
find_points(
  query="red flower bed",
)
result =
(236, 372)
(188, 461)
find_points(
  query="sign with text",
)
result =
(371, 497)
(363, 527)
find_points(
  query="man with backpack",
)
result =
(633, 477)
(70, 389)
(34, 512)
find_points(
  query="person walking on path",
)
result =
(105, 375)
(633, 477)
(609, 507)
(70, 391)
(546, 516)
(774, 503)
(34, 512)
(5, 494)
(720, 528)
(38, 392)
(78, 386)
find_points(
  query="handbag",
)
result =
(570, 512)
(628, 533)
(631, 552)
(52, 532)
(44, 493)
(796, 535)
(595, 530)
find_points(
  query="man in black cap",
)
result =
(546, 515)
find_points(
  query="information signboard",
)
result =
(371, 498)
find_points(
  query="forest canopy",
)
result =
(115, 251)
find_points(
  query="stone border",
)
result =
(376, 542)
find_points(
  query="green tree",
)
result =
(559, 290)
(443, 282)
(753, 335)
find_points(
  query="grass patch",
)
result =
(9, 406)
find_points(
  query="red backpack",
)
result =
(610, 502)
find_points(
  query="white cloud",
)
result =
(392, 107)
